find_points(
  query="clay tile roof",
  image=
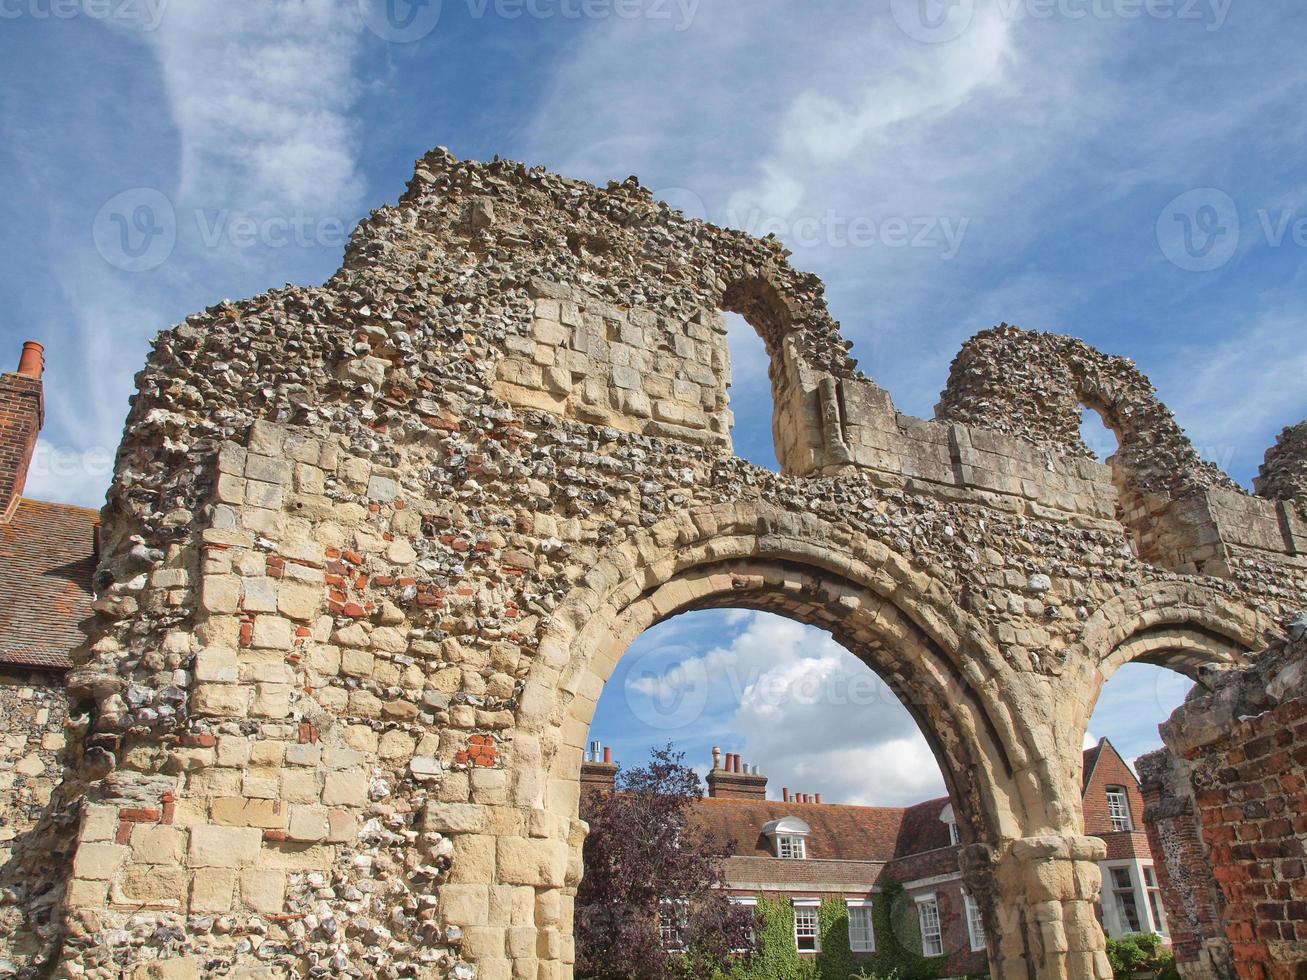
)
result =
(1087, 764)
(922, 829)
(841, 833)
(47, 559)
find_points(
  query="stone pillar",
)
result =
(1042, 914)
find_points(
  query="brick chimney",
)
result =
(22, 413)
(732, 779)
(598, 770)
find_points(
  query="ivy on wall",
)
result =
(898, 939)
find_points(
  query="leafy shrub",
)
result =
(1141, 955)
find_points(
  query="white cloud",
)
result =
(260, 92)
(802, 708)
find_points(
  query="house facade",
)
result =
(48, 556)
(804, 851)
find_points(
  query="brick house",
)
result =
(47, 559)
(805, 851)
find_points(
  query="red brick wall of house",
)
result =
(1251, 793)
(1111, 770)
(21, 415)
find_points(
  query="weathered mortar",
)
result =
(373, 548)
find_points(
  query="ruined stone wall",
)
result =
(1284, 475)
(1236, 779)
(33, 707)
(373, 549)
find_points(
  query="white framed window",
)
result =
(1154, 899)
(862, 931)
(975, 923)
(954, 835)
(807, 926)
(750, 903)
(673, 919)
(1127, 900)
(1118, 808)
(932, 935)
(791, 846)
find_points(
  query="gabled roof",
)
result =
(1088, 763)
(47, 559)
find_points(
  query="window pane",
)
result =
(975, 924)
(1118, 808)
(932, 941)
(805, 929)
(861, 933)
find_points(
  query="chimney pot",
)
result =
(608, 755)
(32, 362)
(785, 794)
(716, 756)
(818, 798)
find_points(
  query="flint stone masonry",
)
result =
(496, 446)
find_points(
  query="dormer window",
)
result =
(947, 817)
(1118, 808)
(790, 846)
(789, 837)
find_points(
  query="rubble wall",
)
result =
(373, 549)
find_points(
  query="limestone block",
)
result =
(267, 469)
(308, 823)
(217, 665)
(454, 818)
(224, 847)
(474, 859)
(465, 905)
(531, 861)
(155, 885)
(299, 600)
(211, 890)
(99, 862)
(343, 788)
(273, 633)
(220, 594)
(156, 844)
(263, 890)
(241, 812)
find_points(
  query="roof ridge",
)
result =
(62, 506)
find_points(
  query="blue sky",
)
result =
(1128, 171)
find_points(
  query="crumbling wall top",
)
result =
(1033, 385)
(1284, 474)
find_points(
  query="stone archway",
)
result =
(945, 669)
